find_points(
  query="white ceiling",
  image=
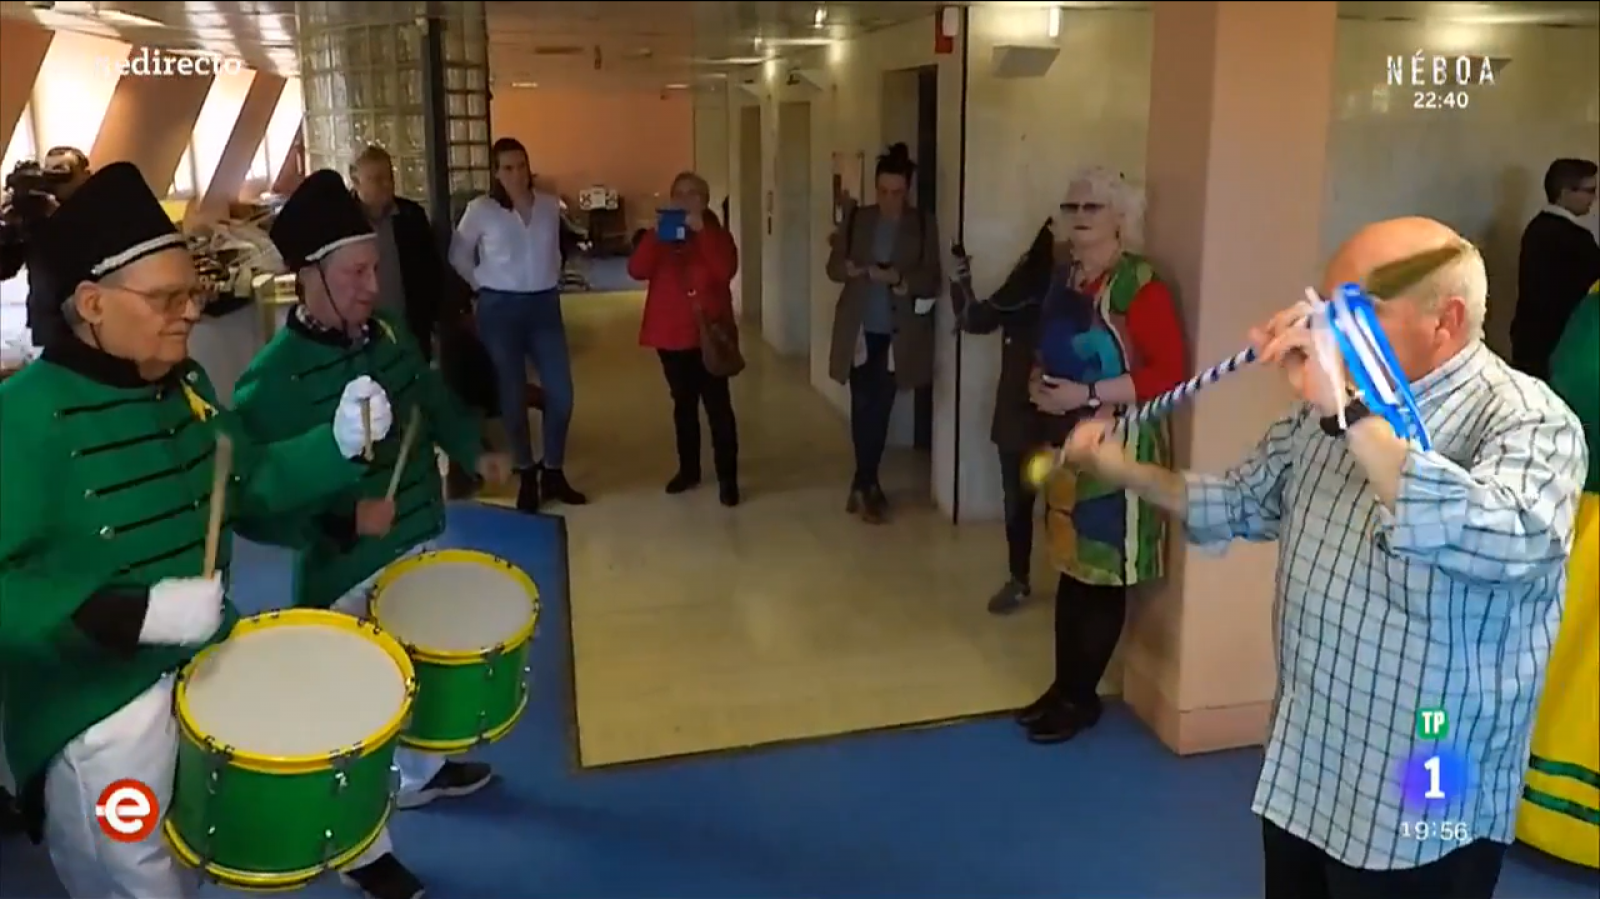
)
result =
(619, 43)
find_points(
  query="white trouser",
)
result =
(138, 741)
(416, 768)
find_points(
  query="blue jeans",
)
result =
(514, 328)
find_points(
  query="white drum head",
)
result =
(295, 690)
(454, 606)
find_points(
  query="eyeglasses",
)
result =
(1071, 208)
(169, 302)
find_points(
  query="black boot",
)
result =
(528, 498)
(555, 489)
(728, 493)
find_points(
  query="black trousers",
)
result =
(1089, 620)
(692, 386)
(1020, 502)
(872, 393)
(1295, 869)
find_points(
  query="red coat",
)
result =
(704, 265)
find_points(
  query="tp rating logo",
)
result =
(128, 811)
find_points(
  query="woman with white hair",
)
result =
(1109, 337)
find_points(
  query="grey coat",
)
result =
(916, 258)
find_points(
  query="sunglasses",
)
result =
(1072, 208)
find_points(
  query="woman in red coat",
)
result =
(683, 275)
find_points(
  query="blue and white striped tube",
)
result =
(1164, 403)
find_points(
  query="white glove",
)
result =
(349, 428)
(182, 611)
(924, 305)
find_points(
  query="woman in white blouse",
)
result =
(508, 247)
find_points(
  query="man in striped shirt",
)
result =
(1408, 581)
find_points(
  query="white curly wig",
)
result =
(1125, 198)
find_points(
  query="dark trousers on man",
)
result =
(692, 386)
(1295, 869)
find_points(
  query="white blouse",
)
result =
(494, 249)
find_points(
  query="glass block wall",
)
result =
(364, 74)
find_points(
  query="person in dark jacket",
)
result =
(412, 274)
(1559, 260)
(1017, 430)
(69, 167)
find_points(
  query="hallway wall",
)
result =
(1477, 169)
(634, 141)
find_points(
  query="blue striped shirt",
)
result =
(1451, 601)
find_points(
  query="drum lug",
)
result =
(218, 757)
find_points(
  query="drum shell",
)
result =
(460, 705)
(261, 823)
(270, 827)
(464, 697)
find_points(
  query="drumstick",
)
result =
(366, 428)
(413, 425)
(223, 464)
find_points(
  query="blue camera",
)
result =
(672, 225)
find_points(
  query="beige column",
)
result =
(23, 46)
(255, 114)
(149, 123)
(1241, 95)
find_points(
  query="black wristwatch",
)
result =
(1353, 413)
(1093, 402)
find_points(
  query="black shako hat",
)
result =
(320, 216)
(110, 222)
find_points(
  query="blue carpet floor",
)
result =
(962, 811)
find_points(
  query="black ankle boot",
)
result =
(728, 493)
(555, 489)
(528, 498)
(1029, 715)
(1063, 722)
(683, 481)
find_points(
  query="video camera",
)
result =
(31, 191)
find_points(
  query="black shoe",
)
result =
(852, 506)
(385, 878)
(454, 779)
(1063, 722)
(728, 493)
(528, 498)
(1009, 597)
(681, 482)
(553, 485)
(1030, 714)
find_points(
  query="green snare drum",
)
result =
(288, 732)
(467, 619)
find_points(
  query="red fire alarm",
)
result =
(946, 25)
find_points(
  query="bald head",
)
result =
(1433, 320)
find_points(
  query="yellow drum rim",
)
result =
(270, 883)
(272, 764)
(456, 747)
(401, 568)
